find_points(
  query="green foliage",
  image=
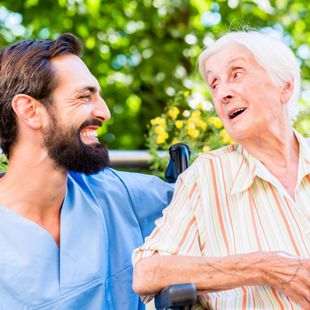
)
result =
(302, 123)
(197, 126)
(3, 163)
(144, 51)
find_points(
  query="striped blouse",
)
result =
(228, 203)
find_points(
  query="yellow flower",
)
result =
(158, 121)
(206, 149)
(191, 123)
(192, 132)
(216, 122)
(175, 140)
(226, 138)
(196, 114)
(223, 133)
(201, 124)
(173, 112)
(179, 124)
(200, 106)
(160, 139)
(159, 130)
(186, 93)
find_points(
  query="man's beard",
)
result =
(66, 149)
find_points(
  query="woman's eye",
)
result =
(214, 85)
(237, 74)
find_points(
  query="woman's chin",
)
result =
(240, 135)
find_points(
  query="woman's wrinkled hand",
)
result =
(288, 274)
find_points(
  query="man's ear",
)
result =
(29, 110)
(287, 91)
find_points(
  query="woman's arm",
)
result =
(209, 274)
(286, 273)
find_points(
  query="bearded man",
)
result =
(68, 222)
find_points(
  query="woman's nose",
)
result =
(225, 93)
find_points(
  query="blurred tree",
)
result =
(3, 163)
(144, 51)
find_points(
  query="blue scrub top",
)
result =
(103, 218)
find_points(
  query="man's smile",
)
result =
(89, 135)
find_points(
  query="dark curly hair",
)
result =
(25, 68)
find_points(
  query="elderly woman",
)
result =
(239, 223)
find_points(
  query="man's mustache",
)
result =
(90, 122)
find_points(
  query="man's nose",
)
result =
(100, 110)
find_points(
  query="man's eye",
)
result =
(85, 97)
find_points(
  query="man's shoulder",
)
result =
(140, 184)
(106, 174)
(144, 195)
(109, 178)
(128, 178)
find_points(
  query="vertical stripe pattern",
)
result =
(228, 203)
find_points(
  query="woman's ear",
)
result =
(287, 91)
(28, 110)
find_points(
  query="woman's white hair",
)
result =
(272, 54)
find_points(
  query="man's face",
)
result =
(77, 111)
(243, 94)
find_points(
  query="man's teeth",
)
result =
(89, 133)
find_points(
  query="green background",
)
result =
(143, 52)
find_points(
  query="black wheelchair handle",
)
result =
(176, 296)
(179, 161)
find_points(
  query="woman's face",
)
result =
(243, 94)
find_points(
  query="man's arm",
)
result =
(285, 273)
(149, 195)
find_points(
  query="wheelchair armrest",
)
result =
(176, 297)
